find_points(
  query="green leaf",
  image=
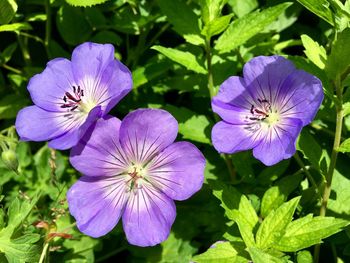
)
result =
(8, 9)
(10, 105)
(338, 61)
(277, 195)
(223, 252)
(319, 8)
(216, 26)
(308, 231)
(72, 25)
(314, 52)
(192, 126)
(184, 58)
(20, 249)
(184, 24)
(338, 202)
(6, 55)
(85, 3)
(244, 227)
(150, 71)
(346, 108)
(273, 227)
(211, 9)
(232, 200)
(259, 256)
(241, 8)
(304, 257)
(344, 146)
(15, 27)
(244, 28)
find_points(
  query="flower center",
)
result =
(136, 175)
(261, 111)
(273, 118)
(73, 101)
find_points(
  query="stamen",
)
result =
(72, 101)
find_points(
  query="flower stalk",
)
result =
(212, 93)
(334, 155)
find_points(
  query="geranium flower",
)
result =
(134, 170)
(266, 109)
(70, 95)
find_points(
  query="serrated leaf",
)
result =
(15, 27)
(308, 231)
(8, 9)
(85, 3)
(319, 8)
(314, 52)
(184, 58)
(338, 202)
(211, 9)
(216, 26)
(244, 227)
(277, 194)
(232, 200)
(338, 61)
(223, 252)
(273, 227)
(260, 256)
(244, 28)
(344, 146)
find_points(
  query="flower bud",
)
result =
(10, 159)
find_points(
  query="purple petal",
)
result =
(264, 75)
(99, 152)
(148, 217)
(146, 132)
(233, 102)
(178, 170)
(36, 124)
(116, 82)
(48, 88)
(301, 96)
(89, 60)
(97, 204)
(74, 134)
(230, 138)
(279, 143)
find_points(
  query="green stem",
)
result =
(334, 155)
(212, 93)
(43, 253)
(23, 46)
(47, 27)
(14, 70)
(307, 173)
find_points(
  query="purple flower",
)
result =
(266, 109)
(134, 170)
(70, 95)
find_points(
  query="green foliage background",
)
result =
(179, 53)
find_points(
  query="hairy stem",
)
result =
(212, 93)
(47, 28)
(43, 253)
(334, 155)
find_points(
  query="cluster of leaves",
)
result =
(179, 53)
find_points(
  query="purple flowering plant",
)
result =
(133, 170)
(69, 95)
(266, 109)
(174, 131)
